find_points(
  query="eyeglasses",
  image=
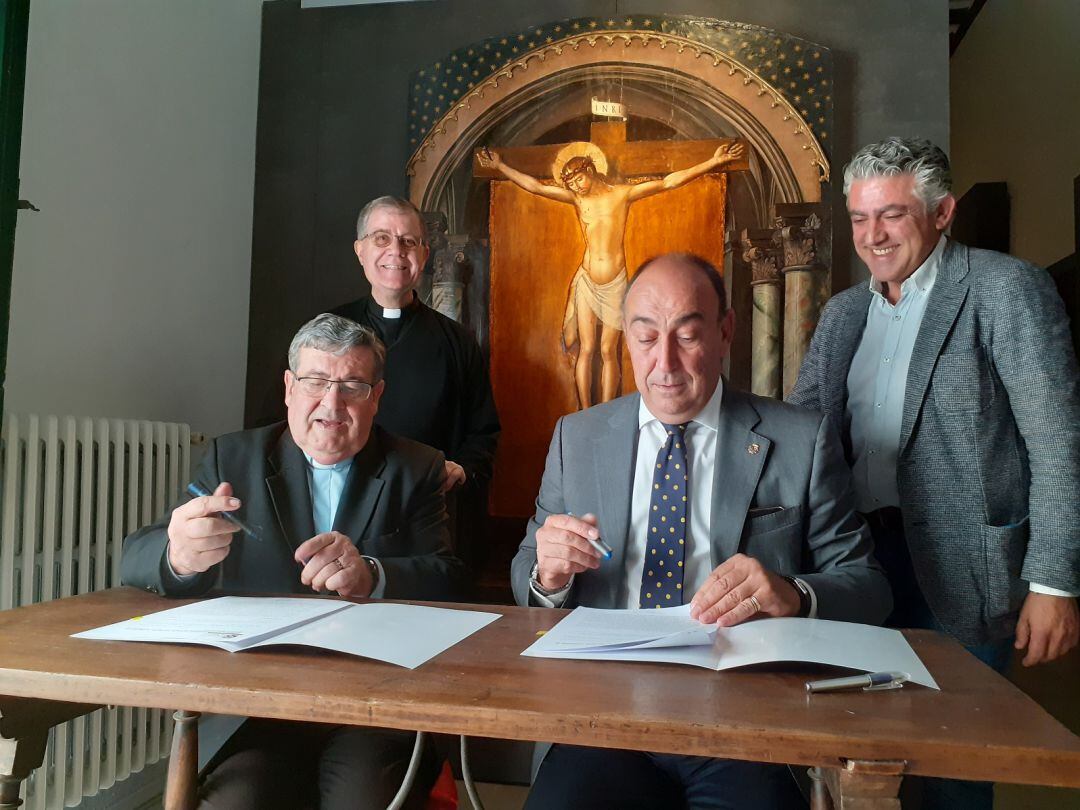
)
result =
(383, 239)
(352, 390)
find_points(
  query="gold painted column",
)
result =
(767, 326)
(804, 278)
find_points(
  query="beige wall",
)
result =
(1015, 84)
(130, 286)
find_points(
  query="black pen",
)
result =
(198, 490)
(871, 680)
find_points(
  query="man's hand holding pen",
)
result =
(567, 545)
(332, 563)
(198, 537)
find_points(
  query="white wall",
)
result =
(1016, 117)
(130, 288)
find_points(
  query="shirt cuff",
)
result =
(1048, 591)
(813, 597)
(551, 599)
(178, 577)
(380, 588)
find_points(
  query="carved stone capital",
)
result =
(762, 256)
(795, 237)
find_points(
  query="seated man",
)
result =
(741, 505)
(339, 506)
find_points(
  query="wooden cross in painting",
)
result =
(533, 239)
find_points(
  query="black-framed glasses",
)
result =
(383, 239)
(355, 390)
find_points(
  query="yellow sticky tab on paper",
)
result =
(540, 633)
(136, 618)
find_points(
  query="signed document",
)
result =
(406, 635)
(670, 635)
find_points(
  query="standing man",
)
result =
(339, 506)
(597, 289)
(437, 386)
(953, 381)
(738, 504)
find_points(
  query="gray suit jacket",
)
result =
(799, 466)
(989, 464)
(390, 508)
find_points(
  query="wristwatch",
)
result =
(804, 596)
(374, 569)
(534, 581)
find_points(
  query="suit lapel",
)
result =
(290, 492)
(613, 465)
(737, 470)
(942, 307)
(362, 489)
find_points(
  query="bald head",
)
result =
(678, 331)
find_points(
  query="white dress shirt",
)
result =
(700, 437)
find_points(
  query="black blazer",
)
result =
(391, 508)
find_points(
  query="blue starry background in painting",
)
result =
(802, 71)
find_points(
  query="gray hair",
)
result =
(336, 335)
(398, 204)
(918, 157)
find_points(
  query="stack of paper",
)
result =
(406, 635)
(670, 635)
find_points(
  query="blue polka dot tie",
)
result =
(665, 546)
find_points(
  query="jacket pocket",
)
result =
(767, 520)
(962, 381)
(1004, 548)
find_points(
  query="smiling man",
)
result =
(952, 379)
(339, 506)
(738, 505)
(438, 390)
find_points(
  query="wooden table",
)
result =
(978, 726)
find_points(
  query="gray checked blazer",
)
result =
(989, 462)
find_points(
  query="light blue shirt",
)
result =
(877, 382)
(326, 482)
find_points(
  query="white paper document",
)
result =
(670, 635)
(406, 635)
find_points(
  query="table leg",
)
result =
(862, 785)
(24, 732)
(819, 790)
(181, 787)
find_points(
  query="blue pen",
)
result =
(197, 490)
(598, 544)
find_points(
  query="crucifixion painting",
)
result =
(602, 206)
(567, 225)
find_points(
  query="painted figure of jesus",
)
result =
(596, 291)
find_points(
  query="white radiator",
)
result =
(71, 490)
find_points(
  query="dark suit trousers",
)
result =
(271, 764)
(911, 610)
(577, 778)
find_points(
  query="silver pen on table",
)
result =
(871, 680)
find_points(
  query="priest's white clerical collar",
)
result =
(709, 416)
(391, 313)
(341, 465)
